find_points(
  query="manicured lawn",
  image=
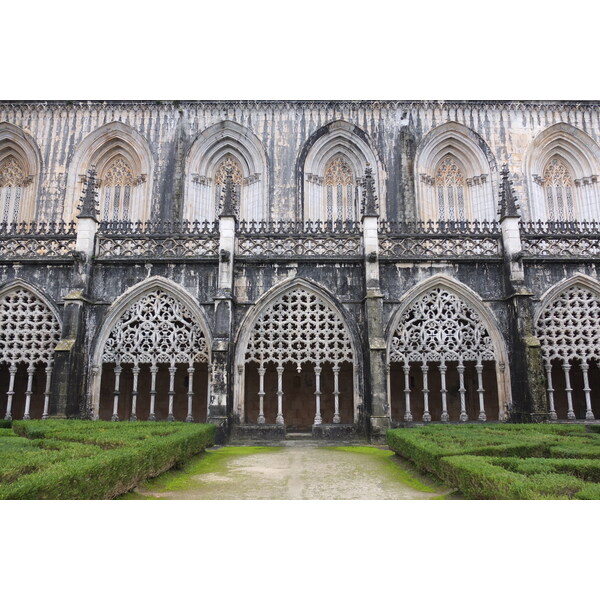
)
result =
(505, 462)
(91, 459)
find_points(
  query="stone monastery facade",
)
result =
(339, 267)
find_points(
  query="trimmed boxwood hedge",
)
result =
(4, 424)
(93, 460)
(506, 461)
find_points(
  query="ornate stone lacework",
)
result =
(339, 190)
(118, 173)
(236, 173)
(117, 184)
(156, 329)
(299, 328)
(569, 328)
(558, 184)
(340, 246)
(450, 183)
(11, 174)
(439, 326)
(569, 331)
(29, 331)
(338, 172)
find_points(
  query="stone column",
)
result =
(376, 368)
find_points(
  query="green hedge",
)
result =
(4, 424)
(530, 461)
(93, 460)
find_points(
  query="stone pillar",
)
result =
(69, 360)
(68, 386)
(376, 367)
(220, 381)
(526, 365)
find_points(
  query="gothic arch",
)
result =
(580, 154)
(480, 341)
(475, 162)
(328, 143)
(20, 170)
(110, 144)
(341, 323)
(567, 323)
(171, 297)
(222, 141)
(30, 328)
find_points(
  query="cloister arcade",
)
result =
(300, 267)
(298, 362)
(568, 326)
(447, 358)
(30, 329)
(152, 356)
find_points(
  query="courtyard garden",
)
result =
(71, 459)
(506, 462)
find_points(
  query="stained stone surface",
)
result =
(293, 473)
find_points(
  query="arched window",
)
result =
(226, 143)
(124, 166)
(12, 182)
(450, 187)
(330, 172)
(219, 178)
(340, 191)
(456, 176)
(116, 185)
(561, 167)
(558, 187)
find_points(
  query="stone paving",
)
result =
(301, 472)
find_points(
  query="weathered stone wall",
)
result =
(395, 130)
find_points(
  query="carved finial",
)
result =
(229, 193)
(509, 207)
(370, 205)
(89, 200)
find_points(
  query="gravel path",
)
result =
(299, 473)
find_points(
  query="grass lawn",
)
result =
(71, 459)
(506, 462)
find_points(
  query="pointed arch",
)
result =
(474, 198)
(443, 321)
(580, 155)
(335, 338)
(338, 140)
(113, 144)
(154, 298)
(30, 329)
(20, 171)
(222, 141)
(567, 324)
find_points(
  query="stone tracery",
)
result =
(29, 332)
(300, 328)
(158, 328)
(569, 332)
(440, 328)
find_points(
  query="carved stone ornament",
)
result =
(569, 327)
(439, 326)
(29, 331)
(156, 329)
(300, 328)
